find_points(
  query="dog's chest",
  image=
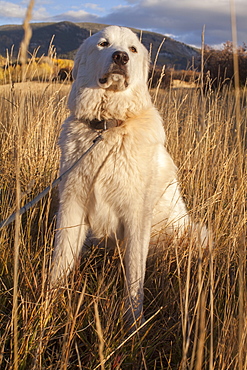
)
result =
(113, 178)
(121, 155)
(118, 163)
(120, 175)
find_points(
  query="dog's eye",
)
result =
(133, 49)
(104, 44)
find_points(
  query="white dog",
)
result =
(127, 184)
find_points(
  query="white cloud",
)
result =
(76, 16)
(11, 10)
(95, 7)
(119, 7)
(17, 12)
(40, 14)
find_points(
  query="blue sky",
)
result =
(181, 19)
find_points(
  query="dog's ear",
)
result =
(79, 58)
(145, 63)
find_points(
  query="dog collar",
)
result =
(104, 124)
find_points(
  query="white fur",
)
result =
(128, 183)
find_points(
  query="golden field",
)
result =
(195, 300)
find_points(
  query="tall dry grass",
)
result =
(192, 296)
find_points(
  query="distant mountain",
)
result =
(67, 37)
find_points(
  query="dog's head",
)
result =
(111, 61)
(113, 58)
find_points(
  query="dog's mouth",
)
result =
(115, 80)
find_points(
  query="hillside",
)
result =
(68, 36)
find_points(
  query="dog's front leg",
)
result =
(137, 239)
(70, 235)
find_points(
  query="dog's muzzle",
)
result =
(117, 77)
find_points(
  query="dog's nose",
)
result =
(120, 58)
